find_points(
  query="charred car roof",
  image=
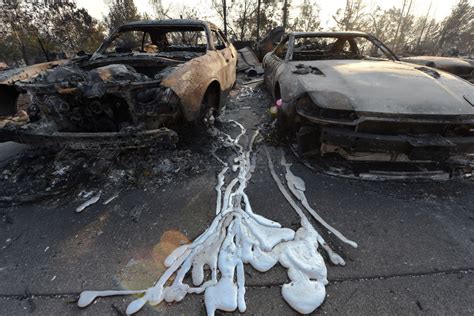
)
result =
(171, 22)
(316, 34)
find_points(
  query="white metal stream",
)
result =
(238, 236)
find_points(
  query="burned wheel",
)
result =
(208, 117)
(295, 129)
(209, 108)
(283, 124)
(308, 140)
(9, 97)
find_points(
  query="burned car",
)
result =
(458, 66)
(347, 94)
(144, 80)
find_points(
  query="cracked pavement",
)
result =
(415, 255)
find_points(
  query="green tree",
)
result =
(18, 20)
(271, 16)
(353, 17)
(242, 17)
(34, 32)
(120, 12)
(71, 29)
(308, 18)
(457, 30)
(160, 11)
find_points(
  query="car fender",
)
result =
(191, 80)
(9, 93)
(290, 87)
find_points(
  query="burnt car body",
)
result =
(144, 80)
(347, 94)
(463, 68)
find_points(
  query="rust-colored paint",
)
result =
(158, 109)
(66, 90)
(191, 80)
(11, 76)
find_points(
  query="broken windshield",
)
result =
(337, 47)
(155, 40)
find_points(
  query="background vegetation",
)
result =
(32, 33)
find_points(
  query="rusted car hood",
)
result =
(386, 87)
(10, 76)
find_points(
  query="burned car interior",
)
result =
(333, 47)
(149, 40)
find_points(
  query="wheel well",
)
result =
(212, 95)
(9, 96)
(277, 92)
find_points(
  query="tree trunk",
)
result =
(224, 4)
(400, 21)
(424, 25)
(258, 19)
(285, 14)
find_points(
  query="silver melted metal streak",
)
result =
(110, 199)
(297, 188)
(238, 236)
(88, 203)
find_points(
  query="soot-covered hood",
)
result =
(386, 87)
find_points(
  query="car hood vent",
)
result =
(469, 98)
(429, 71)
(302, 69)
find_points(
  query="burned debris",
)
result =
(251, 54)
(46, 174)
(8, 77)
(270, 41)
(130, 92)
(248, 62)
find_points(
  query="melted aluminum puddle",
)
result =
(238, 236)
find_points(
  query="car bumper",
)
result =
(419, 147)
(89, 141)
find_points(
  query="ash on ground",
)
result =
(41, 173)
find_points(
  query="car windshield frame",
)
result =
(389, 54)
(147, 29)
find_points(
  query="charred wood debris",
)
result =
(44, 173)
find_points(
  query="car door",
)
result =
(274, 60)
(231, 52)
(227, 56)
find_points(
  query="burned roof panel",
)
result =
(332, 34)
(170, 22)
